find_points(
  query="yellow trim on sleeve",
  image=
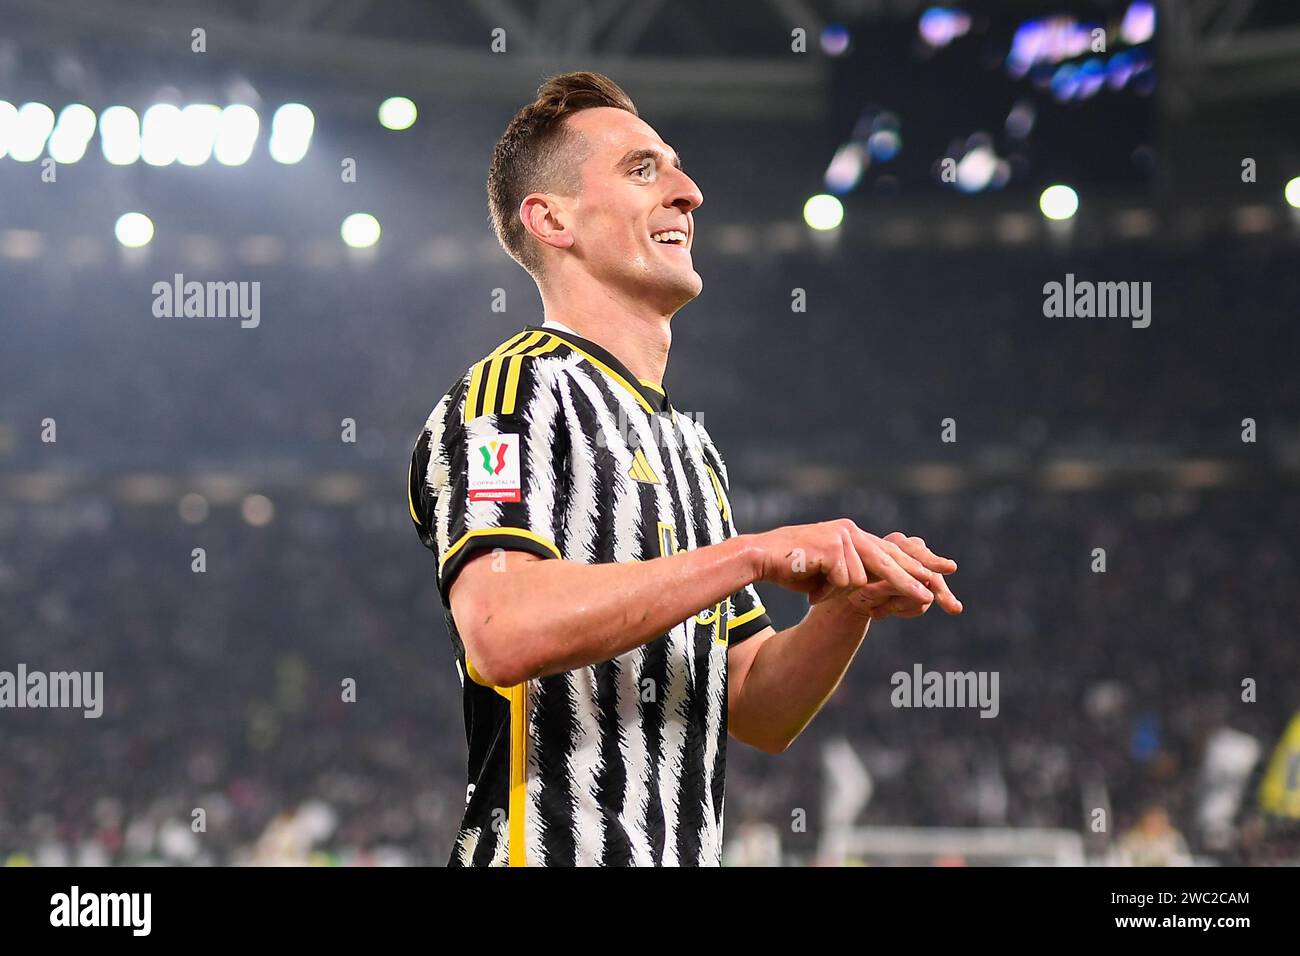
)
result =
(746, 617)
(517, 532)
(410, 502)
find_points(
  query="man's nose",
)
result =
(685, 195)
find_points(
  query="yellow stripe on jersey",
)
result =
(529, 349)
(550, 345)
(717, 492)
(518, 697)
(512, 385)
(490, 389)
(486, 375)
(479, 679)
(509, 343)
(518, 772)
(514, 357)
(471, 394)
(746, 617)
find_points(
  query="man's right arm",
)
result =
(522, 617)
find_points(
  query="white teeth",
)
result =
(671, 236)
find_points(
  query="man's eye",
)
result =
(645, 170)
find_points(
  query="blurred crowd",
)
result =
(228, 735)
(229, 732)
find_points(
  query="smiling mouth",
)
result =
(670, 237)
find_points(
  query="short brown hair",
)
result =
(530, 156)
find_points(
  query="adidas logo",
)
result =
(641, 470)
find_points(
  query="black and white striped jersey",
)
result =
(550, 445)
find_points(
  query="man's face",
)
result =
(633, 190)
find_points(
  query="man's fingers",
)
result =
(935, 580)
(875, 594)
(877, 558)
(899, 606)
(909, 563)
(857, 571)
(917, 548)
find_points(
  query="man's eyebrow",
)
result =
(647, 153)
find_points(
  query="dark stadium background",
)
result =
(1120, 691)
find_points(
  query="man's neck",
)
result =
(637, 339)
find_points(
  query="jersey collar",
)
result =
(649, 393)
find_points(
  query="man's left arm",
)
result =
(779, 680)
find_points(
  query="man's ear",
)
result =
(546, 220)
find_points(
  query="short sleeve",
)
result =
(746, 615)
(489, 469)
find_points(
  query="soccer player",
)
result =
(600, 601)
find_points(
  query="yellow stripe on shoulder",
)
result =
(509, 343)
(485, 379)
(471, 392)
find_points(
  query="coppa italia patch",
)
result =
(494, 469)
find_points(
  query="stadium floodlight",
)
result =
(823, 212)
(835, 39)
(360, 230)
(1059, 202)
(8, 124)
(1292, 193)
(78, 119)
(939, 26)
(397, 113)
(236, 135)
(198, 133)
(33, 125)
(1139, 23)
(72, 133)
(160, 134)
(119, 135)
(133, 230)
(65, 146)
(291, 129)
(976, 169)
(846, 168)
